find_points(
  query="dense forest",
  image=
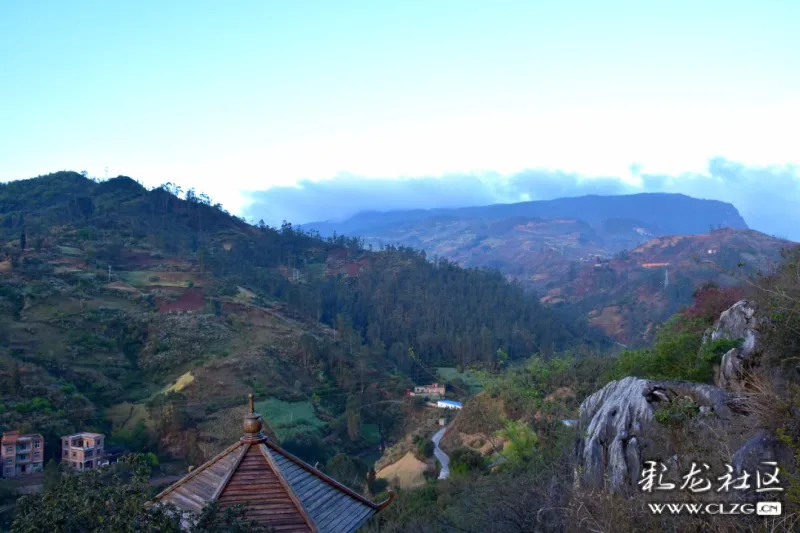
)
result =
(399, 301)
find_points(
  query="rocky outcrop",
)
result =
(763, 447)
(618, 427)
(737, 323)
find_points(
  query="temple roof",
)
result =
(275, 488)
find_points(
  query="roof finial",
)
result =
(252, 423)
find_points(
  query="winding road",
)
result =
(440, 455)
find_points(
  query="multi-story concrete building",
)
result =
(83, 451)
(22, 454)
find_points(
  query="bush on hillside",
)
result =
(464, 460)
(423, 447)
(678, 353)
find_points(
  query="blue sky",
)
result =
(237, 97)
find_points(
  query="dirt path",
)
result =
(440, 455)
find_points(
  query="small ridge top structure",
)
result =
(275, 488)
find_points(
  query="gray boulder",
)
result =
(618, 428)
(763, 447)
(739, 322)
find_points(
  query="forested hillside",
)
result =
(625, 263)
(151, 313)
(629, 295)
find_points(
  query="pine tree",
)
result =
(52, 475)
(353, 422)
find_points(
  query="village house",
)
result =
(22, 454)
(83, 451)
(432, 392)
(275, 488)
(448, 404)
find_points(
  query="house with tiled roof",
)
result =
(275, 488)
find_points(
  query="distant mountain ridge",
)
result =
(626, 263)
(664, 212)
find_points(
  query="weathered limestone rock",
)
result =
(762, 447)
(738, 322)
(617, 425)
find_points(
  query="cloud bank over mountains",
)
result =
(767, 197)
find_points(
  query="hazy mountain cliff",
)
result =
(662, 212)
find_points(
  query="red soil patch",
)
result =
(191, 300)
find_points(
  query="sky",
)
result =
(311, 110)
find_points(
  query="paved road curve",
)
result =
(443, 458)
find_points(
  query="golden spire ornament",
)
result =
(252, 423)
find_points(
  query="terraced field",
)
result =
(289, 418)
(449, 374)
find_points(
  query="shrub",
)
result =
(347, 469)
(710, 301)
(378, 485)
(424, 447)
(676, 413)
(522, 443)
(464, 460)
(678, 353)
